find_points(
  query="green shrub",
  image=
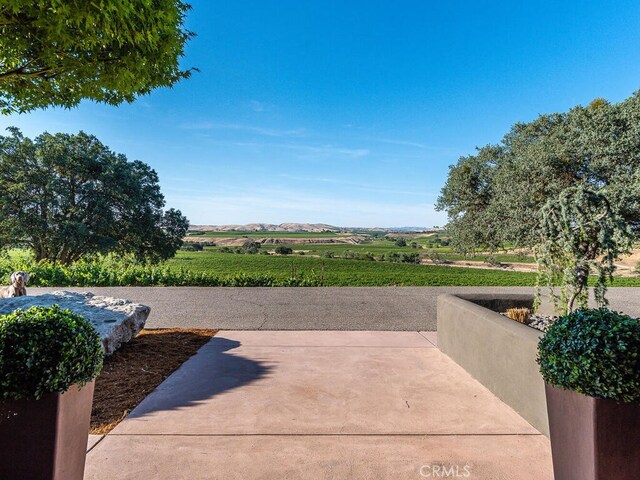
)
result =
(192, 247)
(394, 257)
(593, 352)
(492, 261)
(435, 257)
(283, 250)
(45, 350)
(108, 271)
(410, 258)
(251, 248)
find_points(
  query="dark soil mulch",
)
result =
(137, 368)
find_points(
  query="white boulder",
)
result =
(115, 319)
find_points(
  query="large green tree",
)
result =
(494, 197)
(69, 196)
(58, 52)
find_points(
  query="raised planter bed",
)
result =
(497, 351)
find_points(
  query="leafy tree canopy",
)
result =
(494, 197)
(69, 196)
(58, 52)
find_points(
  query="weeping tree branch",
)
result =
(580, 233)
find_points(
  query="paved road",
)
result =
(346, 308)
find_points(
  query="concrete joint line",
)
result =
(420, 333)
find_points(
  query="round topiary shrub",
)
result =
(45, 350)
(593, 352)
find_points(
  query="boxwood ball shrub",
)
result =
(45, 350)
(593, 352)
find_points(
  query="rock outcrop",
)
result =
(115, 319)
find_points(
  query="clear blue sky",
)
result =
(349, 112)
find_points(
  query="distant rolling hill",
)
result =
(301, 227)
(268, 227)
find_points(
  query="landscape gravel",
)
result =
(539, 322)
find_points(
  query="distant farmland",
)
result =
(342, 272)
(284, 259)
(265, 234)
(428, 247)
(353, 273)
(377, 259)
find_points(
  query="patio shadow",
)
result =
(214, 370)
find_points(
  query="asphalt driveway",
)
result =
(325, 308)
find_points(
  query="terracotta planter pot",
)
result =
(592, 438)
(46, 439)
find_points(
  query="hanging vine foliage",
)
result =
(580, 234)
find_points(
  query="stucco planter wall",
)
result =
(496, 351)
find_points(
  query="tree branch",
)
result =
(20, 73)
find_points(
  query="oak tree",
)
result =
(493, 198)
(68, 196)
(58, 52)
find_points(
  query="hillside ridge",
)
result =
(300, 227)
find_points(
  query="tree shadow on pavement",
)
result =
(215, 369)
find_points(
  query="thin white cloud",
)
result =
(369, 187)
(267, 132)
(308, 151)
(407, 143)
(258, 107)
(330, 150)
(278, 205)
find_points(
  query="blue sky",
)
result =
(349, 113)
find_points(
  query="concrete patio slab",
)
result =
(324, 338)
(134, 457)
(278, 405)
(240, 389)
